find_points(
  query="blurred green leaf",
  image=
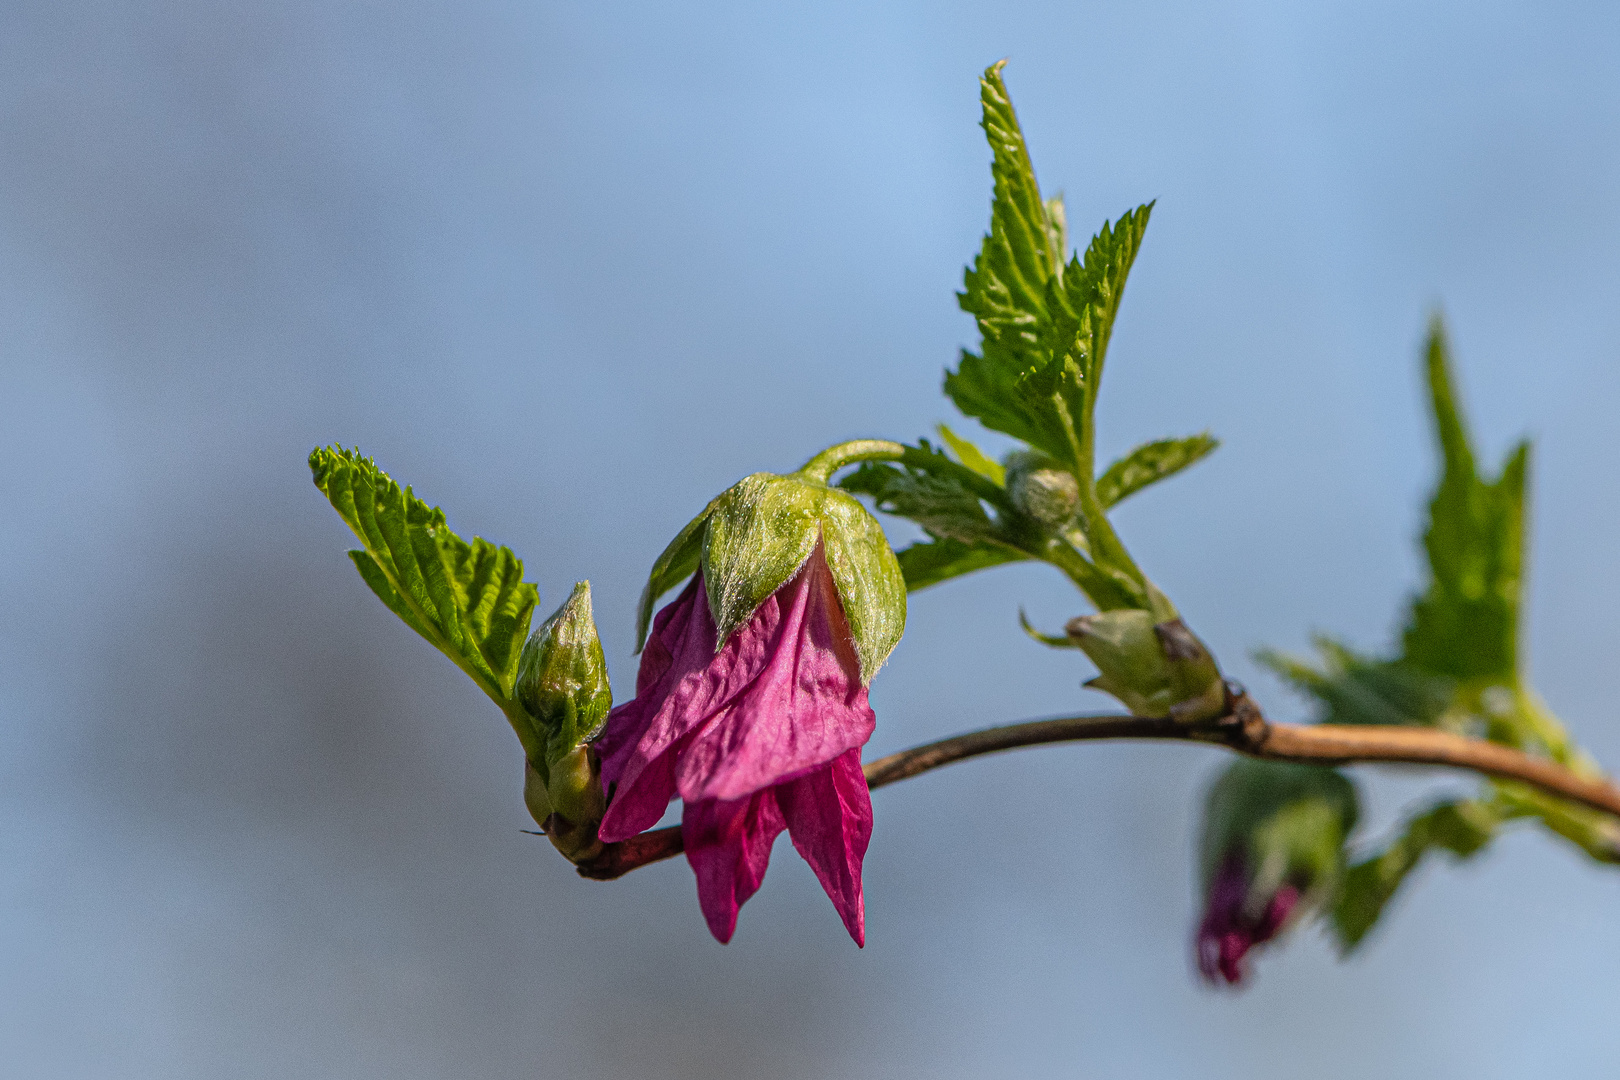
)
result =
(1150, 463)
(1594, 832)
(469, 600)
(1353, 689)
(1460, 827)
(1465, 625)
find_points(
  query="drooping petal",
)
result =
(728, 844)
(673, 688)
(632, 807)
(829, 818)
(803, 707)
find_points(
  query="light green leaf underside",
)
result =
(1150, 463)
(973, 457)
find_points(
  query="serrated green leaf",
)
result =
(1150, 463)
(973, 457)
(469, 600)
(1462, 828)
(931, 562)
(1008, 288)
(1353, 689)
(1465, 625)
(939, 503)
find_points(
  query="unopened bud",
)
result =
(562, 684)
(1042, 489)
(1272, 849)
(1155, 669)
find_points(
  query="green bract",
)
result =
(1155, 668)
(758, 533)
(1290, 821)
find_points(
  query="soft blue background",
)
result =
(571, 269)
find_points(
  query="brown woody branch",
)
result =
(1244, 729)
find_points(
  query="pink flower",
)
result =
(763, 735)
(1235, 922)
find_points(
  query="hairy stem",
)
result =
(830, 460)
(1242, 729)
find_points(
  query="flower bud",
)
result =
(1156, 669)
(562, 684)
(1272, 850)
(1042, 489)
(759, 533)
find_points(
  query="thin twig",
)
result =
(1243, 729)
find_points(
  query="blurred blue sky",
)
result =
(571, 269)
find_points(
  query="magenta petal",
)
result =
(829, 817)
(803, 708)
(729, 846)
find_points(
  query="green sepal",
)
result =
(1289, 821)
(1461, 827)
(1154, 668)
(469, 600)
(678, 561)
(868, 578)
(1150, 463)
(758, 533)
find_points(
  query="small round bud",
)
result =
(1041, 489)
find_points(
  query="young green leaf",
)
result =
(1462, 828)
(973, 457)
(1150, 463)
(937, 501)
(469, 600)
(1009, 287)
(1006, 286)
(1465, 625)
(1094, 289)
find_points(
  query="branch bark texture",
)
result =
(1244, 729)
